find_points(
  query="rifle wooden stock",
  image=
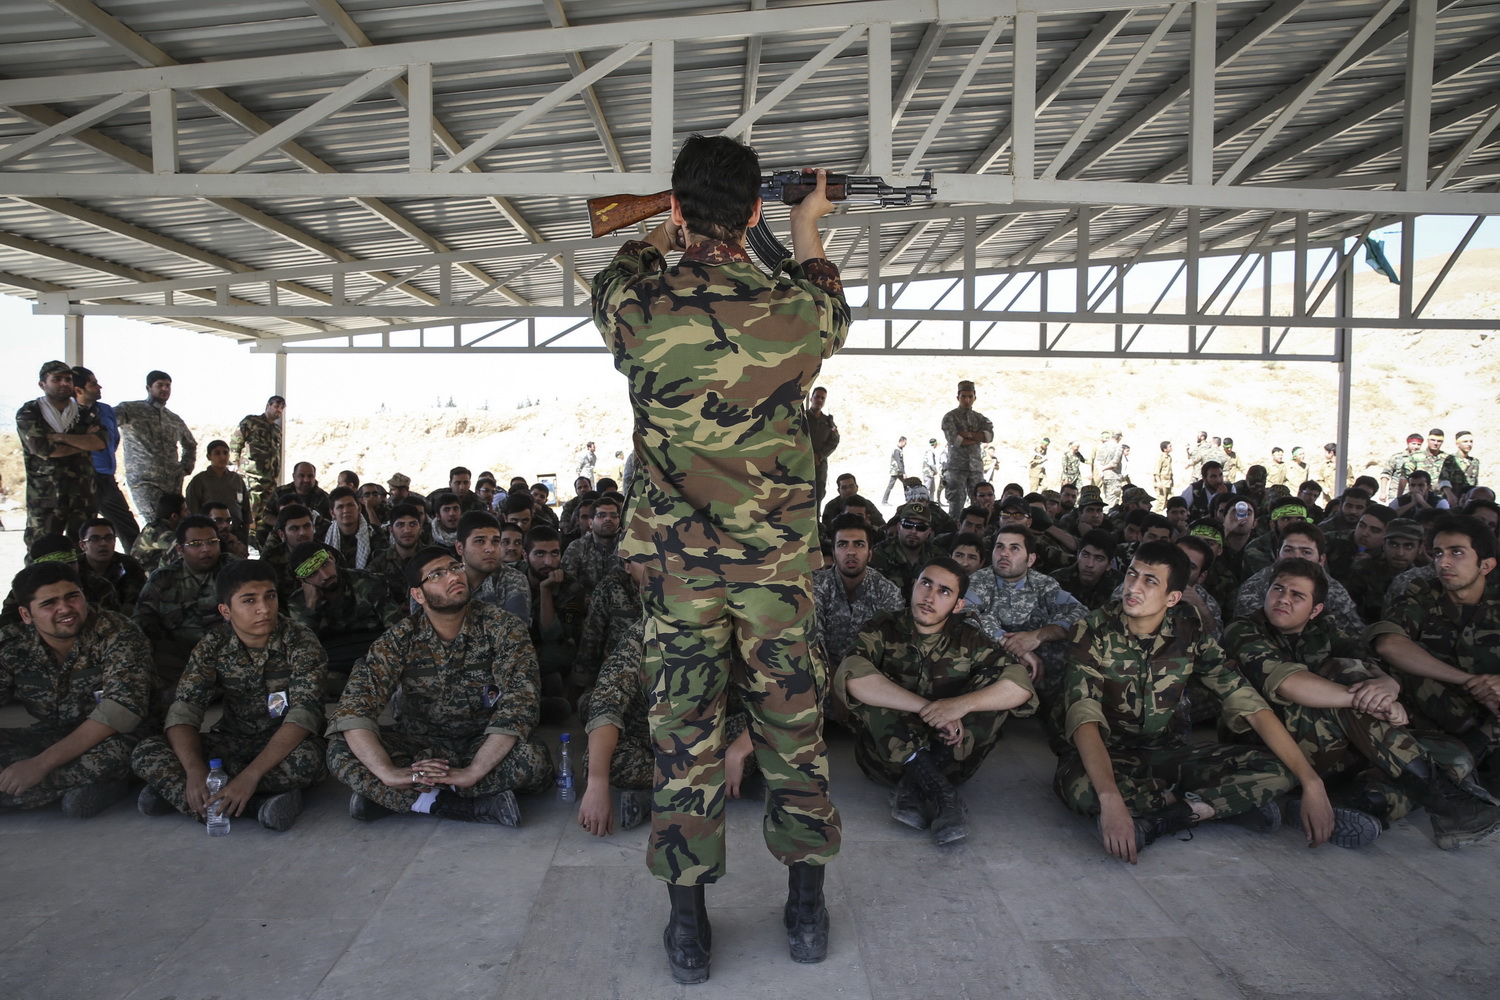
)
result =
(617, 211)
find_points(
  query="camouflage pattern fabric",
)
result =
(1367, 580)
(557, 644)
(176, 609)
(1252, 595)
(1164, 477)
(587, 561)
(1131, 686)
(526, 769)
(506, 589)
(889, 560)
(125, 576)
(1108, 458)
(106, 678)
(316, 501)
(1091, 597)
(156, 763)
(59, 491)
(155, 547)
(1339, 554)
(388, 564)
(690, 630)
(1037, 469)
(1071, 467)
(1403, 582)
(1035, 602)
(160, 452)
(965, 468)
(96, 590)
(824, 434)
(261, 467)
(839, 619)
(1468, 468)
(362, 607)
(1440, 467)
(616, 607)
(958, 660)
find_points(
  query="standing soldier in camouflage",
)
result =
(160, 451)
(1128, 665)
(256, 448)
(270, 672)
(931, 465)
(57, 438)
(1038, 465)
(719, 358)
(1072, 465)
(1109, 465)
(84, 676)
(463, 746)
(966, 430)
(897, 469)
(825, 441)
(1162, 481)
(1467, 464)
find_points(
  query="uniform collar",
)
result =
(715, 252)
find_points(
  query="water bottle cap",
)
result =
(566, 738)
(215, 764)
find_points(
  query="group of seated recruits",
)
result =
(933, 643)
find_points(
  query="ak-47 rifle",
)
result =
(786, 186)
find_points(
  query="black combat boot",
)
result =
(688, 937)
(908, 805)
(1153, 826)
(499, 808)
(1461, 815)
(805, 916)
(950, 817)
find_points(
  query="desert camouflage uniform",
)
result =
(1339, 605)
(1467, 638)
(1037, 469)
(719, 359)
(445, 714)
(155, 547)
(346, 624)
(965, 468)
(587, 562)
(292, 664)
(1276, 474)
(506, 589)
(125, 577)
(175, 610)
(958, 660)
(1131, 686)
(889, 560)
(153, 437)
(1107, 461)
(106, 677)
(838, 619)
(1164, 478)
(1092, 598)
(1354, 752)
(616, 608)
(59, 491)
(262, 439)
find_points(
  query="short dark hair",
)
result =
(1204, 469)
(1176, 503)
(1165, 445)
(1136, 517)
(1355, 493)
(25, 584)
(1481, 539)
(1199, 546)
(851, 522)
(276, 399)
(517, 501)
(978, 512)
(1382, 513)
(1168, 555)
(81, 376)
(1368, 484)
(609, 500)
(338, 493)
(215, 505)
(1421, 474)
(511, 526)
(539, 533)
(1028, 537)
(289, 513)
(194, 521)
(446, 498)
(350, 473)
(417, 563)
(1155, 521)
(1310, 531)
(169, 504)
(843, 475)
(1468, 508)
(241, 572)
(214, 445)
(607, 485)
(1099, 539)
(407, 510)
(1304, 569)
(157, 375)
(716, 181)
(546, 490)
(473, 520)
(969, 538)
(104, 522)
(947, 563)
(458, 470)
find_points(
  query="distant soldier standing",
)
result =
(966, 430)
(57, 436)
(825, 441)
(898, 468)
(259, 434)
(154, 435)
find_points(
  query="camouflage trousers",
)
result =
(60, 520)
(157, 764)
(1111, 486)
(527, 768)
(633, 766)
(1038, 476)
(108, 761)
(885, 739)
(958, 486)
(1230, 779)
(691, 626)
(1443, 707)
(260, 491)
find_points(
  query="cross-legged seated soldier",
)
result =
(463, 746)
(84, 675)
(928, 692)
(1128, 664)
(269, 670)
(1344, 714)
(347, 609)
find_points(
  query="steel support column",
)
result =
(73, 340)
(1344, 349)
(281, 391)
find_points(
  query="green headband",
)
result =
(312, 564)
(1289, 510)
(1207, 531)
(61, 556)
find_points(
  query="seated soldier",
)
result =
(156, 544)
(1345, 512)
(1201, 557)
(1051, 555)
(541, 506)
(617, 605)
(269, 671)
(557, 612)
(1308, 494)
(463, 746)
(303, 490)
(1088, 514)
(969, 551)
(294, 526)
(490, 581)
(898, 559)
(356, 539)
(593, 554)
(1237, 518)
(1372, 573)
(1300, 541)
(401, 491)
(845, 486)
(225, 524)
(1419, 496)
(927, 693)
(1091, 579)
(1365, 538)
(1440, 635)
(1179, 514)
(580, 508)
(373, 504)
(84, 675)
(1343, 712)
(850, 593)
(1265, 548)
(459, 479)
(519, 511)
(445, 523)
(405, 535)
(180, 601)
(347, 609)
(123, 573)
(348, 479)
(1128, 665)
(971, 521)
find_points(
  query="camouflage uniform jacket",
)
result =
(1267, 656)
(1441, 467)
(1163, 481)
(106, 677)
(1035, 602)
(125, 576)
(1276, 474)
(839, 620)
(506, 589)
(1339, 605)
(98, 591)
(448, 686)
(1403, 580)
(719, 358)
(824, 434)
(262, 439)
(56, 482)
(1071, 467)
(966, 457)
(1468, 468)
(363, 606)
(619, 697)
(1131, 685)
(176, 606)
(898, 462)
(389, 565)
(155, 547)
(1466, 637)
(588, 562)
(1107, 458)
(292, 664)
(616, 608)
(1095, 597)
(1340, 553)
(889, 560)
(154, 435)
(1366, 582)
(955, 660)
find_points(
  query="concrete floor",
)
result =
(126, 906)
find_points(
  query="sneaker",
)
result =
(1262, 819)
(280, 811)
(364, 809)
(634, 807)
(87, 801)
(1351, 827)
(150, 803)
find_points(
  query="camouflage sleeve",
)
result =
(986, 427)
(611, 285)
(819, 277)
(591, 637)
(1083, 684)
(148, 614)
(126, 656)
(1067, 610)
(1259, 660)
(951, 428)
(1403, 616)
(619, 685)
(861, 660)
(308, 662)
(371, 684)
(196, 686)
(992, 665)
(1237, 698)
(1455, 475)
(189, 449)
(32, 431)
(518, 676)
(237, 443)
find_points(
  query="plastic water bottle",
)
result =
(218, 823)
(565, 790)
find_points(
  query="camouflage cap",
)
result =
(399, 481)
(53, 367)
(966, 386)
(1403, 527)
(1278, 490)
(1051, 496)
(1016, 503)
(1089, 496)
(917, 491)
(917, 510)
(1136, 494)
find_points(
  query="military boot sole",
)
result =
(1452, 834)
(635, 808)
(280, 811)
(149, 803)
(91, 800)
(1351, 827)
